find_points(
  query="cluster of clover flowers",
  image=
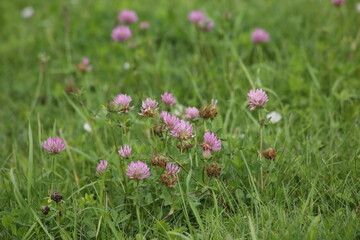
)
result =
(126, 17)
(180, 129)
(167, 124)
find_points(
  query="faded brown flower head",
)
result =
(209, 111)
(269, 153)
(159, 160)
(184, 145)
(213, 170)
(158, 129)
(169, 179)
(112, 107)
(45, 210)
(56, 196)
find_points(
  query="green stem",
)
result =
(52, 172)
(121, 160)
(102, 189)
(260, 151)
(138, 206)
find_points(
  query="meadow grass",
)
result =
(310, 71)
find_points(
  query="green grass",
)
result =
(309, 69)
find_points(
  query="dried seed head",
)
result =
(158, 129)
(184, 145)
(45, 210)
(209, 111)
(56, 196)
(270, 153)
(112, 107)
(159, 160)
(213, 170)
(169, 179)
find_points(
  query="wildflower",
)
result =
(213, 170)
(125, 151)
(196, 16)
(159, 160)
(27, 12)
(148, 108)
(122, 102)
(207, 154)
(45, 210)
(158, 129)
(102, 166)
(183, 130)
(168, 99)
(192, 112)
(169, 178)
(169, 120)
(209, 111)
(172, 169)
(87, 127)
(121, 33)
(127, 16)
(200, 20)
(205, 24)
(270, 153)
(257, 98)
(56, 196)
(211, 142)
(183, 145)
(144, 25)
(338, 2)
(274, 117)
(210, 25)
(138, 170)
(260, 35)
(84, 65)
(126, 66)
(54, 145)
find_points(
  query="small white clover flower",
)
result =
(274, 117)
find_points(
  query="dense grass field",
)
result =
(309, 69)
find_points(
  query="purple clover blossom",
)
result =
(196, 16)
(144, 25)
(257, 98)
(169, 120)
(121, 33)
(102, 166)
(123, 101)
(172, 169)
(125, 151)
(259, 36)
(127, 16)
(54, 145)
(192, 112)
(200, 20)
(338, 2)
(183, 130)
(138, 170)
(168, 99)
(149, 108)
(211, 142)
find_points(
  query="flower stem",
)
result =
(52, 172)
(138, 206)
(260, 151)
(102, 189)
(121, 160)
